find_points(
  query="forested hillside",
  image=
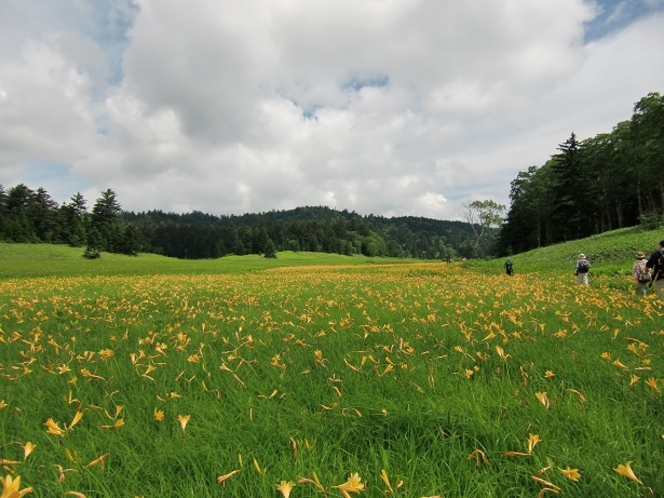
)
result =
(32, 216)
(609, 181)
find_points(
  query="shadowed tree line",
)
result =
(34, 217)
(609, 181)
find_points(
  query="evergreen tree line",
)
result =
(33, 217)
(609, 181)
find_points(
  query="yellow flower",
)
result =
(27, 449)
(386, 480)
(285, 488)
(221, 479)
(549, 374)
(53, 428)
(581, 396)
(184, 420)
(652, 382)
(542, 397)
(158, 415)
(98, 461)
(626, 470)
(572, 474)
(2, 404)
(10, 488)
(77, 418)
(619, 364)
(352, 485)
(118, 423)
(533, 439)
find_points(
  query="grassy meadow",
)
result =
(318, 375)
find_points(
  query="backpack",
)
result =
(584, 266)
(641, 273)
(658, 269)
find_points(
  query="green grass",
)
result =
(38, 260)
(328, 365)
(610, 252)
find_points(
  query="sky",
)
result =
(384, 107)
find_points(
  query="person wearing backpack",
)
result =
(656, 265)
(509, 267)
(641, 273)
(581, 269)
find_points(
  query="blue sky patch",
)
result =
(355, 84)
(615, 15)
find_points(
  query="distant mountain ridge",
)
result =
(307, 228)
(32, 216)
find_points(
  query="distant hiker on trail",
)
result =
(509, 267)
(656, 265)
(641, 273)
(581, 269)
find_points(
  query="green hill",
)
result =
(612, 253)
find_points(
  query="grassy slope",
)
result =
(612, 253)
(40, 260)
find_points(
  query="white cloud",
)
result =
(388, 107)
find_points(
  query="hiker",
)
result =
(641, 273)
(656, 264)
(581, 270)
(509, 267)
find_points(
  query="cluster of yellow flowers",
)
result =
(391, 311)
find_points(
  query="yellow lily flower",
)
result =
(626, 470)
(552, 487)
(533, 440)
(572, 474)
(86, 373)
(77, 418)
(27, 449)
(285, 487)
(98, 461)
(53, 428)
(221, 479)
(118, 423)
(184, 420)
(619, 364)
(542, 397)
(581, 396)
(11, 488)
(652, 382)
(352, 485)
(386, 480)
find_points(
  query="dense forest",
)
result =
(28, 215)
(609, 181)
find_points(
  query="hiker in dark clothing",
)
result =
(581, 270)
(656, 265)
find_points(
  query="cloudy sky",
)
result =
(390, 107)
